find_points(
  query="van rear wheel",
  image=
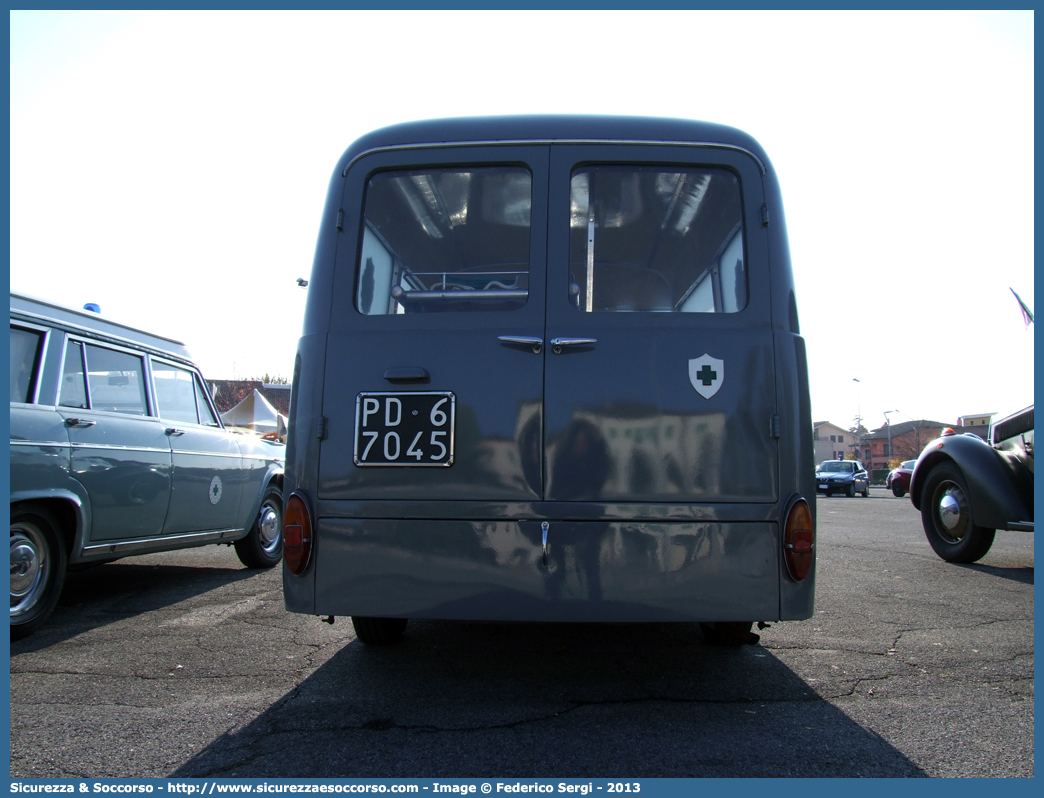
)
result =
(729, 633)
(378, 631)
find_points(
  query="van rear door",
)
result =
(434, 375)
(659, 375)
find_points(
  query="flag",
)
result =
(1027, 314)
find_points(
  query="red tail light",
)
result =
(799, 541)
(297, 535)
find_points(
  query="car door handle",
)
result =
(558, 344)
(523, 340)
(79, 422)
(407, 374)
(172, 431)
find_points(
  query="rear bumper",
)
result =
(592, 571)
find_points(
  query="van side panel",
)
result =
(594, 571)
(797, 478)
(306, 425)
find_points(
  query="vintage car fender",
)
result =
(1000, 487)
(68, 504)
(273, 476)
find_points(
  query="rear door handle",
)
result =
(558, 344)
(172, 431)
(79, 422)
(407, 374)
(523, 340)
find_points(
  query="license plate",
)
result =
(404, 429)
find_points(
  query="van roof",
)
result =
(31, 307)
(552, 128)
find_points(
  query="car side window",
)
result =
(74, 388)
(440, 240)
(665, 239)
(206, 416)
(25, 357)
(115, 381)
(175, 393)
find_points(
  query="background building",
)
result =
(831, 442)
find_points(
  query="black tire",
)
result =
(850, 491)
(378, 631)
(38, 566)
(866, 491)
(897, 489)
(946, 515)
(729, 633)
(263, 545)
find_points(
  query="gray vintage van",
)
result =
(117, 449)
(551, 370)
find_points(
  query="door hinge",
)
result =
(764, 216)
(321, 429)
(340, 218)
(774, 427)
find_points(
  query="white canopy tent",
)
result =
(256, 414)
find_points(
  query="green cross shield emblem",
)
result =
(706, 374)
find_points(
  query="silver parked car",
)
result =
(117, 449)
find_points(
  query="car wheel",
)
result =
(947, 518)
(866, 491)
(850, 491)
(729, 633)
(897, 489)
(378, 631)
(38, 565)
(263, 545)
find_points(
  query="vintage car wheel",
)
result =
(263, 545)
(378, 631)
(38, 564)
(897, 489)
(729, 633)
(947, 517)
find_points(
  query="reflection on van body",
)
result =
(606, 309)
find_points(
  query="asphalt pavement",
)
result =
(186, 664)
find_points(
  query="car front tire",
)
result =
(897, 489)
(947, 517)
(38, 566)
(262, 547)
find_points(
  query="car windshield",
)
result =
(908, 465)
(846, 466)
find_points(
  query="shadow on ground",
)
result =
(103, 594)
(1023, 575)
(540, 700)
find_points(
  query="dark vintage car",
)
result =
(117, 449)
(898, 478)
(842, 476)
(967, 488)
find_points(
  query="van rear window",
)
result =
(445, 240)
(655, 239)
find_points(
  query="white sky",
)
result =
(172, 166)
